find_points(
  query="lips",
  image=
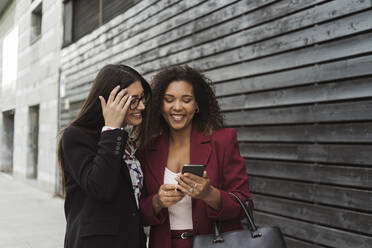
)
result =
(136, 115)
(177, 117)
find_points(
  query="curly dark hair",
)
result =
(208, 119)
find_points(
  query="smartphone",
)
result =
(196, 169)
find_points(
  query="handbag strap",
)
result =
(247, 212)
(249, 216)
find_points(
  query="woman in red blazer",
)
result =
(187, 128)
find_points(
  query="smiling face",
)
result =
(134, 114)
(179, 105)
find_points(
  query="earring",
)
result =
(197, 110)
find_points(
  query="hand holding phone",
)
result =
(196, 169)
(196, 183)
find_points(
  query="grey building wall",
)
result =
(7, 99)
(36, 85)
(293, 78)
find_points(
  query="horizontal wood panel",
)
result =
(249, 46)
(332, 112)
(288, 42)
(85, 17)
(335, 70)
(328, 153)
(277, 10)
(330, 237)
(67, 115)
(337, 218)
(175, 16)
(78, 89)
(340, 133)
(80, 96)
(350, 89)
(346, 197)
(127, 24)
(347, 176)
(338, 49)
(111, 9)
(142, 11)
(250, 32)
(287, 6)
(82, 77)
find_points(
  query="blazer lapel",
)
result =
(200, 149)
(125, 173)
(157, 153)
(157, 157)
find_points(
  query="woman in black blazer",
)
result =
(101, 175)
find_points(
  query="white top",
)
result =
(180, 214)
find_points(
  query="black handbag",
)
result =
(253, 237)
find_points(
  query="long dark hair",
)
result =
(209, 117)
(90, 115)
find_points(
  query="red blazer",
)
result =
(225, 168)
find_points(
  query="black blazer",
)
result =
(100, 207)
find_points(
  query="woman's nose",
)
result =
(177, 105)
(141, 106)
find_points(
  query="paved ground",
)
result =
(29, 218)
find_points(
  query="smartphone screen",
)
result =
(196, 169)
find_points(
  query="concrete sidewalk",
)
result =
(29, 218)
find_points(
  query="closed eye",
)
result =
(168, 99)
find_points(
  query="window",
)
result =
(10, 61)
(33, 142)
(7, 135)
(36, 18)
(81, 17)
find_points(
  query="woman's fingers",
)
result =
(173, 193)
(103, 102)
(187, 190)
(197, 188)
(168, 187)
(191, 180)
(123, 101)
(184, 187)
(126, 105)
(194, 177)
(113, 94)
(119, 96)
(115, 109)
(170, 190)
(168, 195)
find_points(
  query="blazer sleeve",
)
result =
(235, 179)
(94, 167)
(147, 212)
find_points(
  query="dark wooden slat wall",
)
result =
(111, 9)
(86, 17)
(293, 77)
